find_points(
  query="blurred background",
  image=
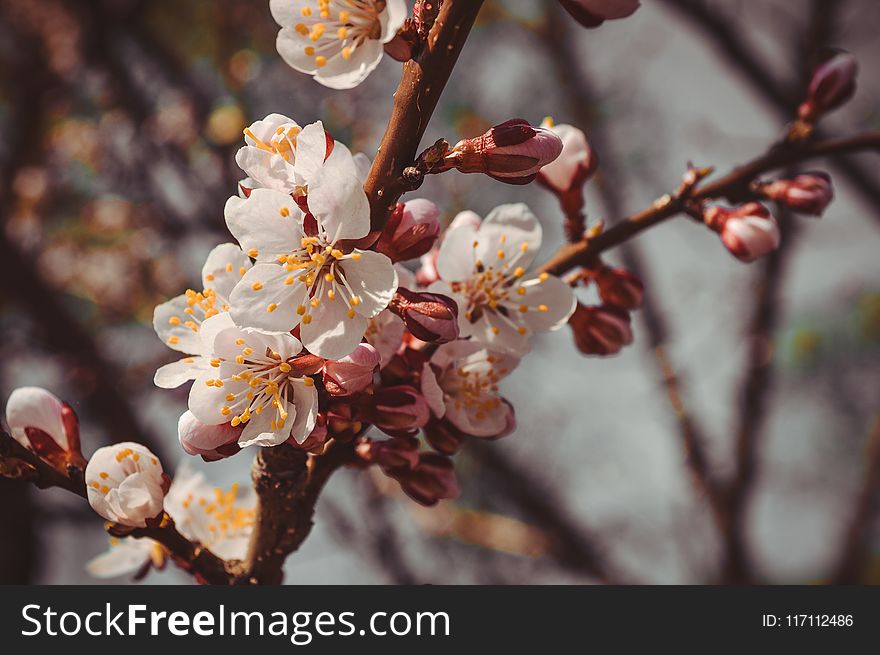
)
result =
(119, 120)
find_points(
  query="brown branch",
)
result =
(734, 186)
(784, 98)
(855, 548)
(423, 80)
(288, 483)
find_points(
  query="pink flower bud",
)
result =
(411, 230)
(592, 13)
(748, 231)
(41, 422)
(620, 287)
(832, 84)
(397, 410)
(575, 164)
(808, 193)
(512, 152)
(352, 373)
(432, 480)
(397, 453)
(602, 330)
(210, 442)
(126, 484)
(431, 317)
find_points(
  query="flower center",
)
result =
(474, 388)
(224, 519)
(282, 143)
(344, 26)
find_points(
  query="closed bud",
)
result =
(808, 193)
(353, 373)
(443, 436)
(411, 230)
(210, 442)
(512, 152)
(833, 83)
(433, 479)
(602, 330)
(748, 231)
(620, 287)
(395, 454)
(126, 484)
(592, 13)
(397, 410)
(431, 317)
(42, 423)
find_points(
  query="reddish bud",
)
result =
(833, 83)
(443, 436)
(42, 423)
(432, 480)
(602, 330)
(352, 373)
(575, 164)
(592, 13)
(397, 453)
(620, 287)
(431, 317)
(748, 231)
(411, 230)
(808, 193)
(397, 410)
(511, 152)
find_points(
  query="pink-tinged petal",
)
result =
(352, 373)
(331, 334)
(183, 370)
(222, 269)
(373, 279)
(35, 408)
(304, 412)
(197, 437)
(432, 392)
(266, 224)
(263, 298)
(385, 334)
(170, 323)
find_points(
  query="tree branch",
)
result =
(421, 85)
(734, 186)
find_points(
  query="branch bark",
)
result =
(421, 85)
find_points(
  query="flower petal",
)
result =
(373, 278)
(339, 203)
(508, 229)
(456, 259)
(176, 373)
(268, 223)
(222, 269)
(305, 402)
(263, 299)
(332, 334)
(169, 322)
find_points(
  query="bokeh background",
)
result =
(119, 120)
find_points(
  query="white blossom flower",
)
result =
(127, 555)
(337, 42)
(460, 384)
(304, 275)
(279, 154)
(177, 322)
(254, 380)
(484, 269)
(126, 484)
(219, 519)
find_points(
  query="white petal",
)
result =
(259, 431)
(305, 401)
(362, 165)
(176, 336)
(210, 328)
(271, 171)
(311, 150)
(207, 401)
(432, 392)
(506, 229)
(127, 556)
(373, 279)
(455, 261)
(341, 73)
(339, 203)
(250, 306)
(385, 334)
(259, 225)
(222, 271)
(176, 373)
(331, 333)
(553, 294)
(392, 19)
(492, 423)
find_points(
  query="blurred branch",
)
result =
(734, 186)
(558, 38)
(856, 545)
(571, 546)
(783, 97)
(421, 85)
